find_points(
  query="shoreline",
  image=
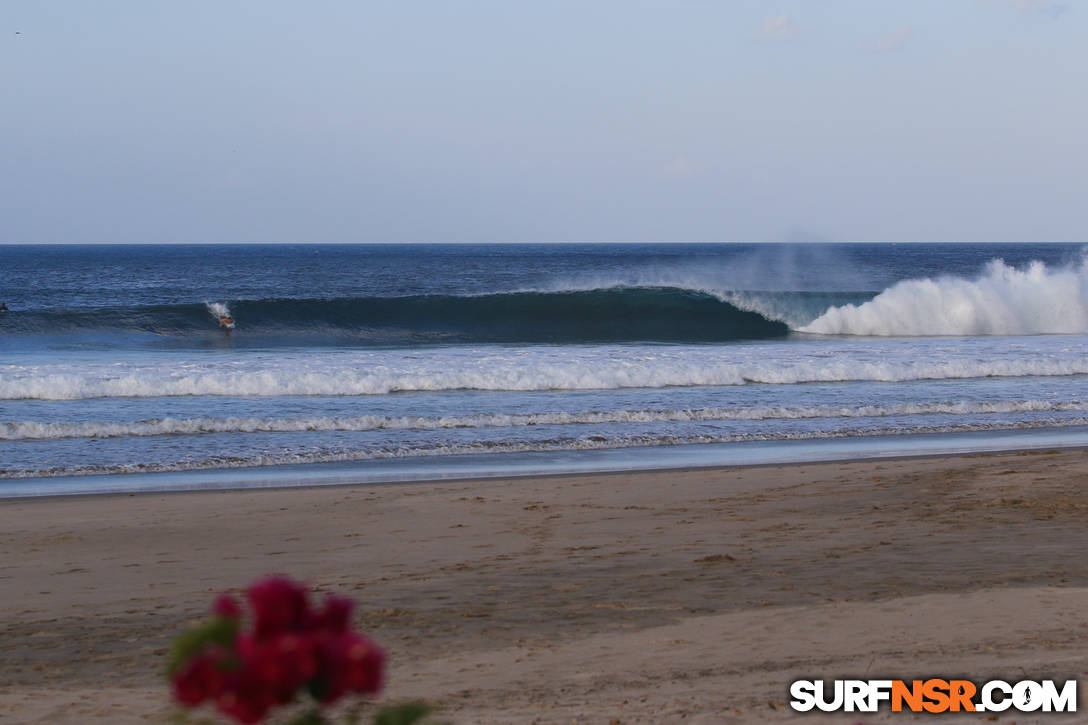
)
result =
(495, 466)
(659, 596)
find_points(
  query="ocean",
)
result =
(115, 374)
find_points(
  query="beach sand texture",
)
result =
(689, 596)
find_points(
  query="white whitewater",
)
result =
(33, 430)
(1003, 301)
(218, 310)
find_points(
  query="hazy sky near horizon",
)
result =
(558, 120)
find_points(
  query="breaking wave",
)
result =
(616, 314)
(687, 367)
(1004, 300)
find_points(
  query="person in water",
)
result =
(3, 306)
(227, 322)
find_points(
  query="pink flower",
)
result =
(279, 605)
(282, 662)
(201, 678)
(290, 648)
(227, 606)
(245, 698)
(348, 662)
(335, 616)
(365, 673)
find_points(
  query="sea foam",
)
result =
(537, 369)
(33, 430)
(1004, 300)
(566, 443)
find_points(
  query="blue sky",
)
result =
(580, 120)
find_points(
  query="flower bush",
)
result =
(291, 651)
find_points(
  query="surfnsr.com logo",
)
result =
(934, 695)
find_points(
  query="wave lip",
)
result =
(1004, 300)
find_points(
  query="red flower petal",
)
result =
(201, 678)
(245, 699)
(349, 662)
(279, 605)
(283, 662)
(335, 616)
(227, 606)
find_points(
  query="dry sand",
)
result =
(686, 596)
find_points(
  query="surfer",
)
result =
(226, 322)
(3, 306)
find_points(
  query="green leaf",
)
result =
(403, 714)
(215, 630)
(179, 717)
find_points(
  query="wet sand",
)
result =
(681, 596)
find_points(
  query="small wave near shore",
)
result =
(31, 430)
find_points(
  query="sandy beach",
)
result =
(689, 596)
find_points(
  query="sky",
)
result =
(542, 120)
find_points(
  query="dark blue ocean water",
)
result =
(112, 360)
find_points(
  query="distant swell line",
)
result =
(31, 430)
